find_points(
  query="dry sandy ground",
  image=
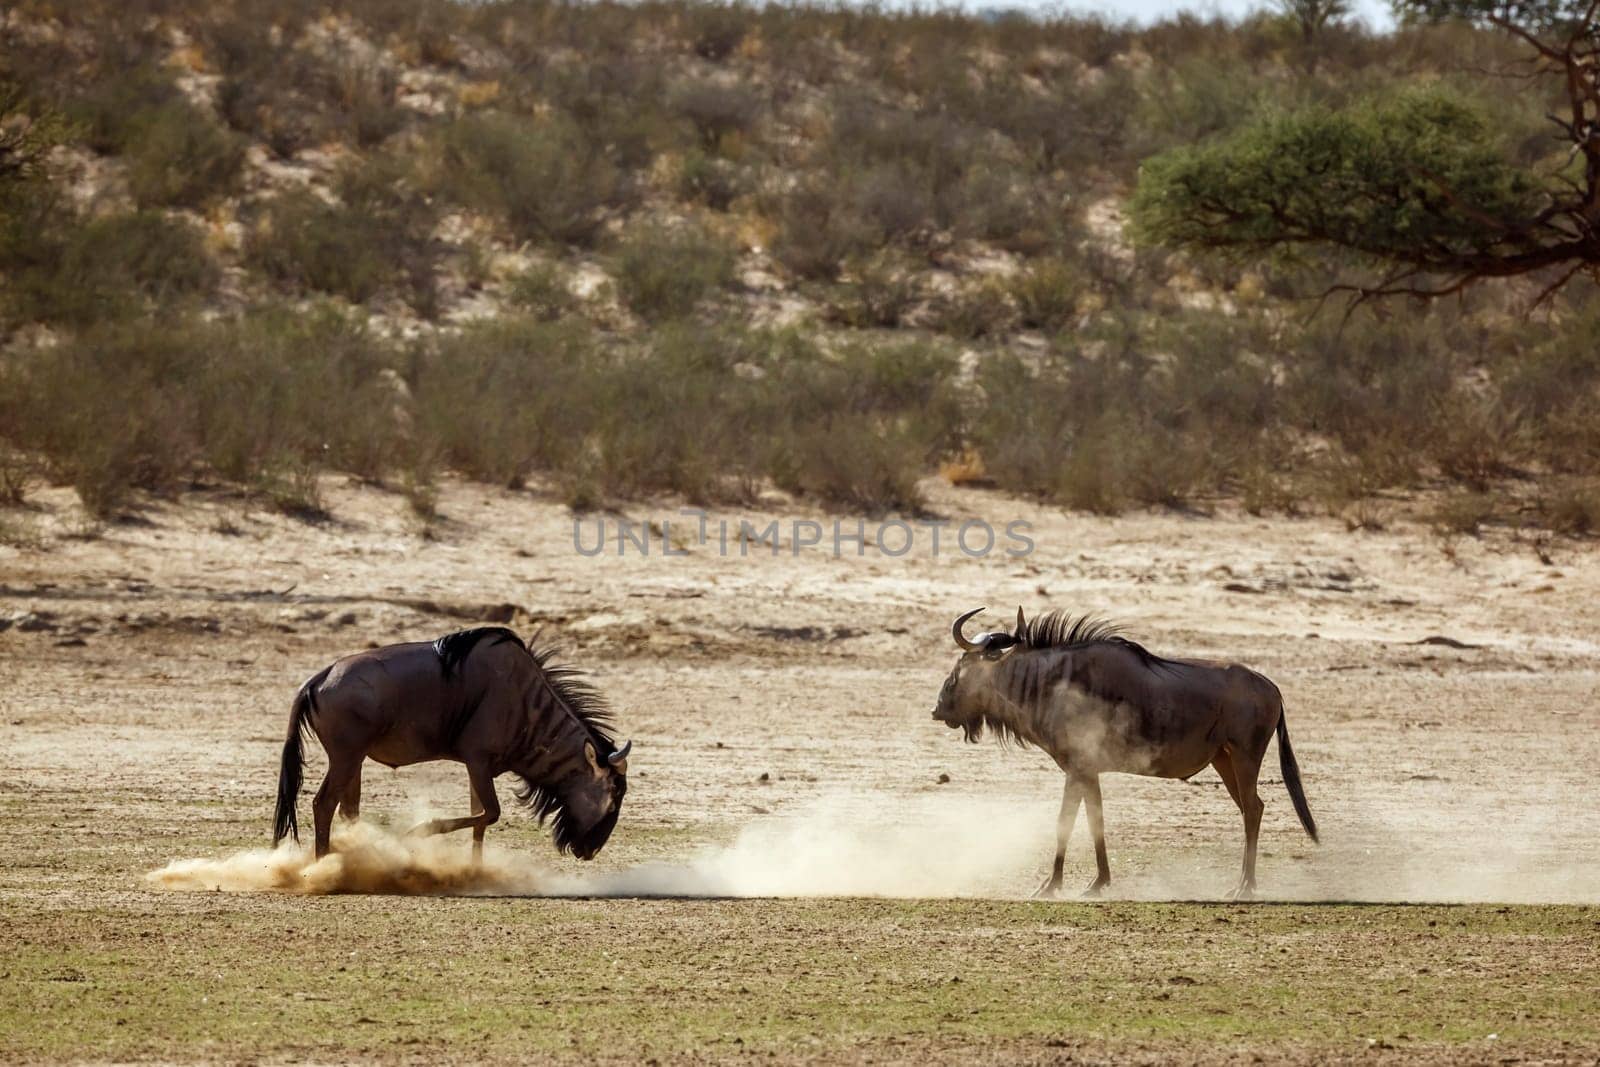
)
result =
(780, 710)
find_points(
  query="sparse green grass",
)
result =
(376, 978)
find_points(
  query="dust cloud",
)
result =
(951, 846)
(938, 848)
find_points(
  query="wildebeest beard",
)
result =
(547, 804)
(1004, 732)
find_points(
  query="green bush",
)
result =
(717, 110)
(543, 292)
(859, 428)
(663, 271)
(136, 405)
(878, 291)
(63, 270)
(507, 398)
(546, 179)
(975, 310)
(711, 181)
(375, 239)
(817, 232)
(313, 246)
(178, 157)
(1046, 294)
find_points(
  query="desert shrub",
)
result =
(673, 415)
(546, 179)
(1046, 293)
(993, 203)
(1462, 513)
(292, 96)
(507, 398)
(365, 94)
(68, 271)
(877, 291)
(1375, 386)
(663, 271)
(717, 110)
(975, 309)
(310, 244)
(136, 405)
(313, 246)
(375, 238)
(1572, 505)
(711, 181)
(108, 411)
(1159, 414)
(857, 429)
(715, 30)
(178, 157)
(1023, 418)
(285, 393)
(817, 231)
(109, 109)
(1191, 101)
(543, 292)
(1552, 387)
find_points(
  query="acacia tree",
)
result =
(1417, 182)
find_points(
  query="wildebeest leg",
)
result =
(1097, 827)
(482, 784)
(1070, 795)
(1245, 771)
(350, 802)
(477, 830)
(341, 769)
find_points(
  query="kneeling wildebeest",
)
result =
(480, 697)
(1097, 702)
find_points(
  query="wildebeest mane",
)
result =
(567, 686)
(1058, 629)
(453, 649)
(566, 689)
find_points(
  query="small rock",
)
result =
(944, 779)
(765, 777)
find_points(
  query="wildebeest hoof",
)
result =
(1048, 891)
(1243, 892)
(423, 829)
(1095, 887)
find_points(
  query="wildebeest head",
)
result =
(963, 700)
(583, 803)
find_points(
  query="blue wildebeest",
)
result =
(480, 697)
(1097, 702)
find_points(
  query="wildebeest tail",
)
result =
(1291, 778)
(292, 764)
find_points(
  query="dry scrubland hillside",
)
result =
(715, 250)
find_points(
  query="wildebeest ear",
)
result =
(588, 754)
(1022, 624)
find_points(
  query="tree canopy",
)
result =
(1418, 182)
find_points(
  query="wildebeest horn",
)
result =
(955, 632)
(1022, 623)
(619, 758)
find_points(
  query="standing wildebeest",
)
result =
(1097, 702)
(481, 697)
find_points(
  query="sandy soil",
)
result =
(780, 703)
